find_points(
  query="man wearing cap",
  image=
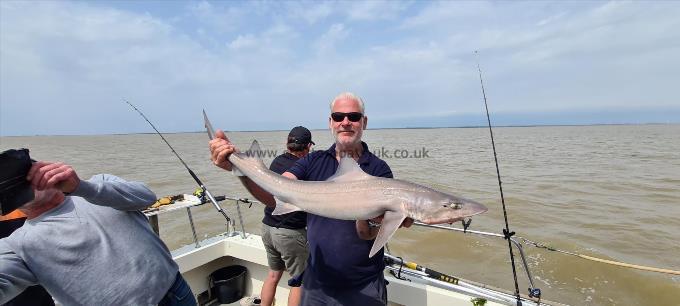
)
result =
(339, 271)
(285, 236)
(85, 241)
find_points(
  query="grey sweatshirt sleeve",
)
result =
(112, 191)
(15, 277)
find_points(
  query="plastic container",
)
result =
(228, 284)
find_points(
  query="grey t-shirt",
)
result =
(96, 248)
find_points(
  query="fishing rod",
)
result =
(198, 181)
(507, 234)
(412, 271)
(390, 259)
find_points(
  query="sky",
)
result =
(66, 67)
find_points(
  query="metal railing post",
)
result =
(193, 229)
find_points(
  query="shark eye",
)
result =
(455, 205)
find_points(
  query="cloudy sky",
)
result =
(65, 67)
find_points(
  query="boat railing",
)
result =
(533, 291)
(193, 201)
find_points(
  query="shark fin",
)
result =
(349, 170)
(283, 208)
(390, 223)
(253, 153)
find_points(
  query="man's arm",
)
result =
(220, 150)
(112, 191)
(15, 277)
(102, 189)
(366, 231)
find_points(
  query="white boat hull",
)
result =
(197, 263)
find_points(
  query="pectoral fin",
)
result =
(390, 223)
(283, 208)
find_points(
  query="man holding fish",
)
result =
(345, 186)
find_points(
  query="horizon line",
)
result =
(379, 128)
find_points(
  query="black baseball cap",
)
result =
(301, 135)
(15, 190)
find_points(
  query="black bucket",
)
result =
(228, 284)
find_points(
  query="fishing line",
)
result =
(506, 231)
(544, 246)
(596, 259)
(198, 181)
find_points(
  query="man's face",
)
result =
(346, 132)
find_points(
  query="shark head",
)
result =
(437, 207)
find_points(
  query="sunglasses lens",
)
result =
(353, 117)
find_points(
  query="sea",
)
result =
(607, 191)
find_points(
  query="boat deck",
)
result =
(196, 264)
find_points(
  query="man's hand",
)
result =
(220, 149)
(44, 175)
(406, 223)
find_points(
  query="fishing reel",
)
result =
(200, 194)
(466, 224)
(535, 293)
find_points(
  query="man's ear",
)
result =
(365, 122)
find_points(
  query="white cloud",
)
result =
(243, 42)
(607, 32)
(310, 12)
(80, 59)
(219, 19)
(446, 12)
(317, 12)
(327, 42)
(551, 19)
(376, 10)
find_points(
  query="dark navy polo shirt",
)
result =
(294, 220)
(337, 256)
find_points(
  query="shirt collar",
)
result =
(365, 157)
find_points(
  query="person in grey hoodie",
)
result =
(87, 243)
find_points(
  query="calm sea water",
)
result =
(605, 191)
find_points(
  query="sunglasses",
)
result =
(353, 116)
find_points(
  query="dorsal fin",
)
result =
(349, 170)
(253, 155)
(254, 152)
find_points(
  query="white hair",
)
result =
(349, 96)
